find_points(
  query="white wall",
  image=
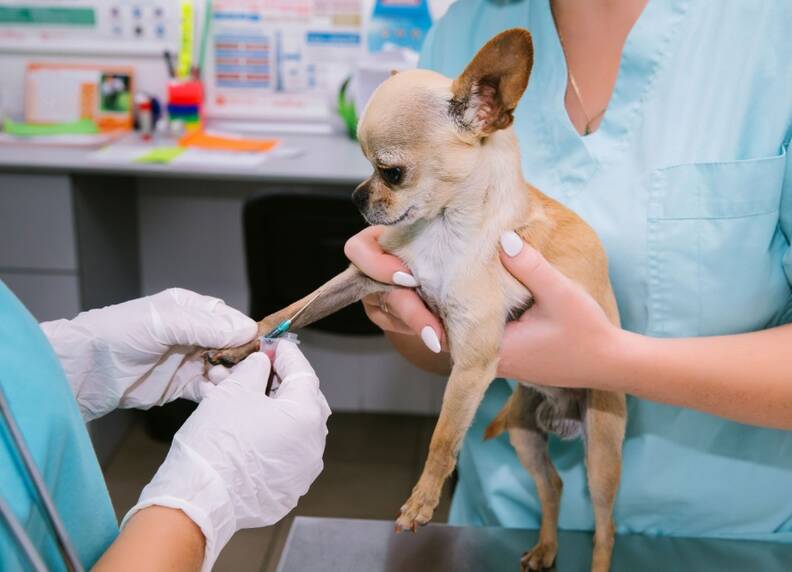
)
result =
(150, 70)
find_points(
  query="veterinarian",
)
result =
(666, 126)
(241, 460)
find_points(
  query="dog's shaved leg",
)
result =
(606, 416)
(530, 443)
(337, 293)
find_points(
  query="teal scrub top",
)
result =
(46, 412)
(687, 183)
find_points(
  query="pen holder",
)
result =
(185, 99)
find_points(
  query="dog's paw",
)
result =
(417, 511)
(540, 557)
(231, 356)
(219, 357)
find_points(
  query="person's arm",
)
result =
(412, 348)
(241, 460)
(156, 538)
(744, 377)
(565, 340)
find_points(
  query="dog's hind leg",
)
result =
(340, 291)
(605, 420)
(530, 443)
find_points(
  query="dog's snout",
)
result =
(360, 197)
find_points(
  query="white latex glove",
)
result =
(242, 459)
(143, 352)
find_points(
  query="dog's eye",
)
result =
(392, 175)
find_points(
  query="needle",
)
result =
(284, 326)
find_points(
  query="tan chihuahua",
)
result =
(446, 183)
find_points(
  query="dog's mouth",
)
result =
(396, 220)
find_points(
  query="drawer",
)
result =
(36, 223)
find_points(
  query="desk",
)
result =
(325, 160)
(343, 545)
(68, 218)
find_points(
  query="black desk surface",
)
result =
(345, 545)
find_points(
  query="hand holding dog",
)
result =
(401, 310)
(565, 339)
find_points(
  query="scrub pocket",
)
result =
(715, 248)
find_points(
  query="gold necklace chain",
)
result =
(576, 91)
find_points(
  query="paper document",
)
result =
(202, 159)
(280, 59)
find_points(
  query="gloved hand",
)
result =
(143, 352)
(242, 459)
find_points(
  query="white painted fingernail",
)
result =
(511, 243)
(430, 339)
(404, 279)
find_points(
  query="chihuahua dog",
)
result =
(447, 182)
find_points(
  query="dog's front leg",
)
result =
(346, 288)
(475, 355)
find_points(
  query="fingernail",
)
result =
(511, 243)
(430, 339)
(404, 279)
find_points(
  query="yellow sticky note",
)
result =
(160, 155)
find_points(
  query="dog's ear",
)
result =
(485, 95)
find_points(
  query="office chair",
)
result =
(294, 243)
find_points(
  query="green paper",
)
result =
(162, 155)
(22, 129)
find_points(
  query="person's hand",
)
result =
(243, 459)
(565, 337)
(144, 352)
(400, 310)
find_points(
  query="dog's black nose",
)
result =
(360, 197)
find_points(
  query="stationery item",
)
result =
(187, 39)
(169, 64)
(218, 142)
(64, 93)
(162, 155)
(145, 115)
(207, 22)
(206, 159)
(85, 140)
(120, 153)
(23, 129)
(185, 92)
(185, 100)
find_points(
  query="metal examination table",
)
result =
(346, 545)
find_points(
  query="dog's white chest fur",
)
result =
(436, 256)
(450, 263)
